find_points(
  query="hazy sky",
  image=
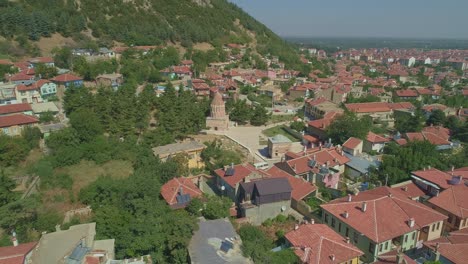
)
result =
(362, 18)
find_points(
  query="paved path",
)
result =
(250, 137)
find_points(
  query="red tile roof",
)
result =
(374, 138)
(406, 93)
(241, 171)
(410, 190)
(435, 176)
(454, 200)
(387, 214)
(6, 62)
(453, 247)
(391, 257)
(319, 244)
(15, 255)
(21, 77)
(66, 78)
(439, 131)
(378, 107)
(432, 138)
(17, 119)
(300, 187)
(170, 189)
(14, 108)
(352, 143)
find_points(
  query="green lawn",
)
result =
(279, 130)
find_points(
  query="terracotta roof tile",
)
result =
(17, 119)
(319, 244)
(66, 78)
(454, 200)
(435, 176)
(241, 171)
(352, 143)
(14, 108)
(170, 189)
(15, 255)
(300, 187)
(374, 138)
(386, 216)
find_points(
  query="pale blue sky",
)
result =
(362, 18)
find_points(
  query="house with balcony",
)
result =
(28, 94)
(381, 220)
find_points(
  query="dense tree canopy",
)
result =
(349, 125)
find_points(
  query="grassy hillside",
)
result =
(139, 22)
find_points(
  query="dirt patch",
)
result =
(86, 172)
(203, 46)
(46, 45)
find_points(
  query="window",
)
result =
(347, 232)
(326, 218)
(380, 247)
(414, 236)
(433, 227)
(339, 227)
(406, 238)
(438, 226)
(6, 130)
(355, 237)
(371, 248)
(386, 245)
(333, 222)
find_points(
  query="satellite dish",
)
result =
(223, 188)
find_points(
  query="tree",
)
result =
(349, 125)
(240, 112)
(298, 126)
(86, 124)
(195, 207)
(217, 207)
(436, 118)
(45, 72)
(6, 189)
(260, 116)
(12, 150)
(409, 123)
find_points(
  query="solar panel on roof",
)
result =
(312, 163)
(183, 199)
(226, 246)
(230, 172)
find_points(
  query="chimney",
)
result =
(437, 253)
(399, 257)
(232, 165)
(453, 168)
(296, 227)
(294, 167)
(332, 257)
(327, 163)
(312, 221)
(315, 156)
(428, 167)
(225, 168)
(411, 222)
(348, 240)
(181, 190)
(13, 239)
(364, 206)
(345, 214)
(350, 198)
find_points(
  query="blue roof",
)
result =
(78, 254)
(360, 164)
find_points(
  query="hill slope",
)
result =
(139, 22)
